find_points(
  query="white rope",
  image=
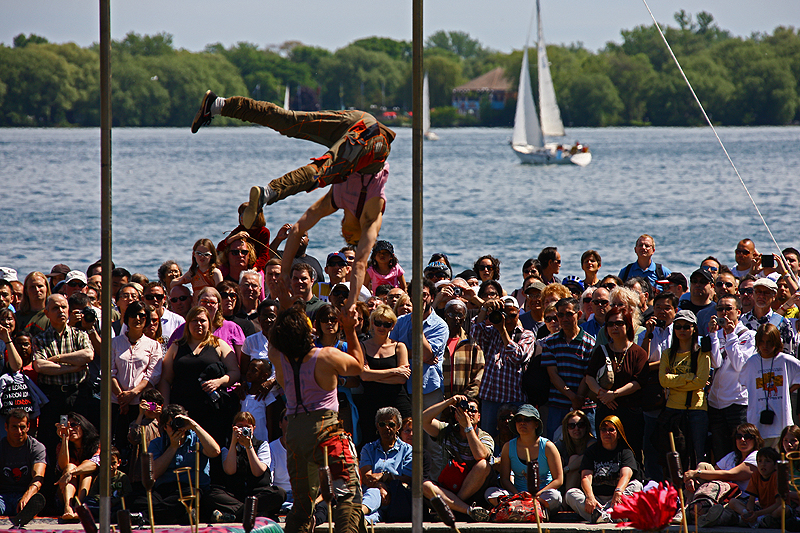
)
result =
(696, 99)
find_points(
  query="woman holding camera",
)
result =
(78, 460)
(135, 366)
(770, 376)
(246, 466)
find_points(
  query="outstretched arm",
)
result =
(371, 219)
(318, 210)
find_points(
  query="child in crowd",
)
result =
(24, 345)
(150, 406)
(763, 487)
(120, 486)
(257, 372)
(384, 268)
(204, 271)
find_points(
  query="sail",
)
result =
(551, 116)
(526, 126)
(426, 106)
(286, 98)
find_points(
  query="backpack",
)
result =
(520, 507)
(659, 272)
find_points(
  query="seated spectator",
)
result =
(467, 450)
(176, 449)
(22, 466)
(384, 466)
(120, 486)
(529, 446)
(608, 471)
(277, 464)
(246, 473)
(576, 437)
(78, 461)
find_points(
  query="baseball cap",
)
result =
(59, 270)
(766, 282)
(336, 255)
(510, 300)
(383, 245)
(8, 274)
(76, 274)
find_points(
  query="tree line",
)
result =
(741, 81)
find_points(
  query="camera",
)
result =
(768, 261)
(64, 420)
(177, 423)
(456, 290)
(463, 405)
(767, 417)
(89, 314)
(152, 406)
(661, 323)
(496, 316)
(246, 432)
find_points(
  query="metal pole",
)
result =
(105, 229)
(416, 293)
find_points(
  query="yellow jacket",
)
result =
(680, 381)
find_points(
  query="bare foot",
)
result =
(69, 515)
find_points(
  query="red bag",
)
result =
(520, 507)
(453, 476)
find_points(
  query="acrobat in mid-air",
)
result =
(354, 165)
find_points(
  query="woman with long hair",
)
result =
(78, 460)
(576, 437)
(197, 369)
(487, 267)
(326, 326)
(229, 306)
(684, 370)
(615, 375)
(608, 471)
(238, 255)
(30, 314)
(386, 371)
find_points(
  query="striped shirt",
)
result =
(571, 359)
(505, 363)
(51, 343)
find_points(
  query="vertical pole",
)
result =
(416, 293)
(105, 230)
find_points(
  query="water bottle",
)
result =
(214, 395)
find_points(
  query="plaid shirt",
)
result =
(505, 364)
(571, 358)
(463, 369)
(51, 343)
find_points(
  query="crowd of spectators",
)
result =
(585, 376)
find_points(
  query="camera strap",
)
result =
(764, 379)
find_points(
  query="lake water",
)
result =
(171, 187)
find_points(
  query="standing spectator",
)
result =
(464, 361)
(727, 398)
(701, 292)
(229, 306)
(566, 357)
(684, 370)
(256, 347)
(746, 258)
(487, 267)
(770, 376)
(239, 255)
(31, 313)
(549, 264)
(600, 305)
(23, 460)
(155, 295)
(180, 300)
(764, 292)
(61, 358)
(250, 290)
(644, 266)
(168, 271)
(434, 338)
(746, 293)
(676, 284)
(507, 348)
(590, 264)
(533, 318)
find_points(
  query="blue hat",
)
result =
(529, 411)
(335, 255)
(573, 280)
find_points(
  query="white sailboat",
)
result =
(426, 112)
(527, 140)
(286, 98)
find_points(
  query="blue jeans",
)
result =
(8, 503)
(489, 412)
(555, 415)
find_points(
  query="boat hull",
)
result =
(532, 155)
(430, 136)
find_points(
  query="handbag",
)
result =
(453, 475)
(605, 376)
(520, 507)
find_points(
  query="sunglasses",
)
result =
(726, 284)
(158, 297)
(566, 314)
(745, 436)
(724, 309)
(551, 318)
(203, 254)
(228, 295)
(576, 425)
(746, 291)
(587, 300)
(471, 409)
(328, 320)
(238, 252)
(208, 301)
(176, 299)
(609, 286)
(76, 283)
(337, 264)
(608, 429)
(382, 324)
(618, 304)
(140, 316)
(615, 324)
(74, 424)
(524, 419)
(486, 267)
(601, 303)
(682, 327)
(390, 424)
(455, 316)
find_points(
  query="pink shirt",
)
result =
(130, 364)
(315, 398)
(392, 278)
(346, 194)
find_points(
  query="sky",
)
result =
(500, 25)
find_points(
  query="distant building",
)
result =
(467, 97)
